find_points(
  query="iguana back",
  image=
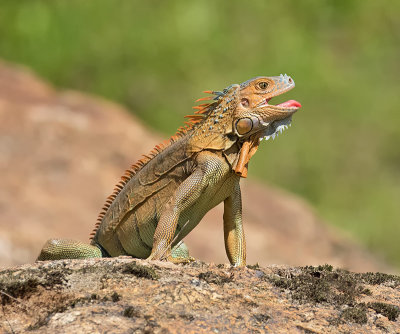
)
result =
(128, 220)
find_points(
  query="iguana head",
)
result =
(242, 114)
(254, 115)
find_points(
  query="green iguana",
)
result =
(166, 194)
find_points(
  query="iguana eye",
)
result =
(244, 125)
(263, 85)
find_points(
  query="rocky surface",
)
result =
(61, 153)
(123, 295)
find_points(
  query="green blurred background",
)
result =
(342, 152)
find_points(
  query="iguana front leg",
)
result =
(207, 173)
(235, 243)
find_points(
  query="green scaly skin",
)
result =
(165, 195)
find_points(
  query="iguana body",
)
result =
(166, 194)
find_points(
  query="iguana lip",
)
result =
(290, 104)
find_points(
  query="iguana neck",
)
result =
(214, 131)
(239, 154)
(211, 131)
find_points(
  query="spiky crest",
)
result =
(202, 110)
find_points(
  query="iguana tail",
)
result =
(57, 249)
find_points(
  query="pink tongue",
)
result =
(290, 104)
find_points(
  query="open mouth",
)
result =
(276, 127)
(291, 105)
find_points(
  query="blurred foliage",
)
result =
(342, 152)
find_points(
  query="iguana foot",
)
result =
(178, 254)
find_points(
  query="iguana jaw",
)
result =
(283, 112)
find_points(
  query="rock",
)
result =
(62, 152)
(121, 295)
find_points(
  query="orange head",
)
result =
(254, 114)
(243, 111)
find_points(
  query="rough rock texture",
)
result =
(62, 152)
(123, 295)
